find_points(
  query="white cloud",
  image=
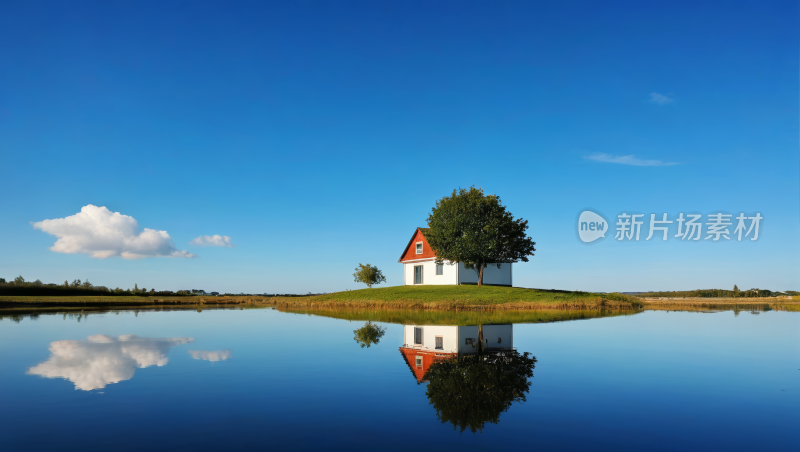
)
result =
(213, 240)
(660, 99)
(100, 233)
(101, 360)
(627, 160)
(215, 355)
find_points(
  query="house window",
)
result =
(439, 269)
(470, 341)
(417, 336)
(419, 247)
(419, 362)
(439, 343)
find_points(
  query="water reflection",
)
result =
(433, 317)
(473, 371)
(17, 315)
(214, 355)
(468, 391)
(369, 334)
(100, 360)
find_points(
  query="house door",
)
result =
(418, 274)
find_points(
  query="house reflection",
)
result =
(474, 374)
(424, 345)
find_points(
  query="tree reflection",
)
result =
(369, 334)
(469, 391)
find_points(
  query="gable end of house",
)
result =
(412, 252)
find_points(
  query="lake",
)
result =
(222, 379)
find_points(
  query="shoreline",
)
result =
(11, 304)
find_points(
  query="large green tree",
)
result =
(476, 230)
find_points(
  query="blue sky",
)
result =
(318, 135)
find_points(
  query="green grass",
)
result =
(469, 294)
(398, 297)
(7, 301)
(76, 299)
(461, 297)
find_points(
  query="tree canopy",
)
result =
(471, 390)
(476, 230)
(369, 275)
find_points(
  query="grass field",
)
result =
(8, 301)
(466, 293)
(462, 298)
(408, 297)
(412, 298)
(744, 304)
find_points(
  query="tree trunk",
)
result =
(480, 274)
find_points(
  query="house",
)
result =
(420, 268)
(423, 345)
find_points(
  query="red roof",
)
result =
(410, 253)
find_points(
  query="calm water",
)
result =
(224, 379)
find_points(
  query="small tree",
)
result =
(2, 280)
(369, 334)
(19, 280)
(369, 275)
(735, 290)
(476, 229)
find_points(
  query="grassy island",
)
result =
(464, 298)
(467, 297)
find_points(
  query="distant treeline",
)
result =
(20, 287)
(77, 287)
(718, 293)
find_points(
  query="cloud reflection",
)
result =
(214, 355)
(100, 360)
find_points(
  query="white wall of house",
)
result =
(448, 333)
(491, 333)
(429, 277)
(491, 274)
(456, 274)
